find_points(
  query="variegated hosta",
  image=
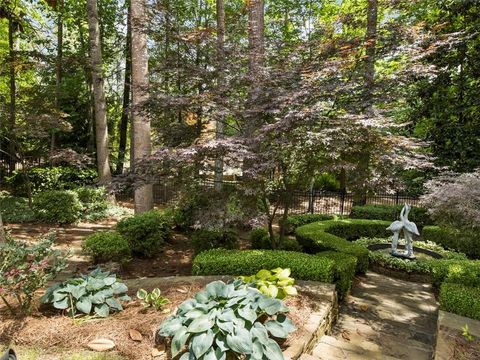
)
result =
(98, 292)
(228, 320)
(276, 283)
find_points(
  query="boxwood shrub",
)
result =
(204, 239)
(465, 272)
(295, 221)
(146, 232)
(460, 299)
(333, 235)
(247, 262)
(104, 246)
(464, 241)
(345, 267)
(260, 239)
(57, 207)
(390, 213)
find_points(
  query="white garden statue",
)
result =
(409, 229)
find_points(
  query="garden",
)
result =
(243, 179)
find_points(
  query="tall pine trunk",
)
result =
(140, 119)
(101, 127)
(58, 68)
(122, 142)
(13, 94)
(220, 123)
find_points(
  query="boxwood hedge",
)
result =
(295, 221)
(460, 299)
(390, 213)
(345, 267)
(454, 239)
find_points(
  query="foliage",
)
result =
(276, 283)
(152, 299)
(390, 213)
(146, 232)
(345, 269)
(295, 221)
(57, 207)
(465, 241)
(15, 209)
(24, 269)
(225, 321)
(453, 200)
(332, 235)
(260, 239)
(93, 199)
(460, 299)
(241, 262)
(51, 178)
(212, 239)
(465, 272)
(104, 246)
(98, 292)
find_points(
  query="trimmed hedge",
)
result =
(464, 272)
(204, 239)
(345, 267)
(334, 235)
(463, 241)
(260, 239)
(390, 213)
(247, 262)
(104, 246)
(460, 299)
(295, 221)
(57, 207)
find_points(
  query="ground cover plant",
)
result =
(226, 320)
(276, 283)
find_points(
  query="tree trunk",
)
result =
(220, 123)
(3, 237)
(101, 127)
(58, 68)
(13, 91)
(122, 142)
(141, 120)
(256, 12)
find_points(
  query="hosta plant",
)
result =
(228, 321)
(153, 299)
(98, 292)
(276, 283)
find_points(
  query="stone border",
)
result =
(374, 247)
(400, 274)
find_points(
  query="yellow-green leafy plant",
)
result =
(275, 283)
(153, 299)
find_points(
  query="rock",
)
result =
(135, 335)
(101, 344)
(159, 352)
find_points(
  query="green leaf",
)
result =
(200, 324)
(270, 306)
(200, 343)
(273, 351)
(170, 326)
(216, 354)
(225, 326)
(179, 340)
(110, 280)
(119, 288)
(114, 304)
(195, 313)
(240, 342)
(263, 274)
(290, 290)
(58, 296)
(102, 310)
(78, 292)
(142, 294)
(221, 342)
(61, 305)
(257, 350)
(248, 314)
(84, 305)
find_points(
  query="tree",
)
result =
(101, 126)
(142, 143)
(220, 122)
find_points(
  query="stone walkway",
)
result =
(384, 318)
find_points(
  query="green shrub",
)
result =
(289, 244)
(465, 272)
(295, 221)
(460, 299)
(57, 207)
(146, 232)
(245, 262)
(15, 209)
(345, 268)
(98, 292)
(390, 213)
(93, 199)
(330, 235)
(104, 246)
(50, 178)
(463, 241)
(212, 239)
(260, 239)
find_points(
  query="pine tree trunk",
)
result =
(140, 82)
(13, 91)
(122, 142)
(220, 123)
(58, 69)
(101, 127)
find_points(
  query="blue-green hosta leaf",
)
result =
(239, 322)
(58, 296)
(212, 314)
(78, 292)
(240, 342)
(227, 315)
(200, 343)
(170, 326)
(110, 280)
(248, 314)
(217, 289)
(286, 323)
(270, 306)
(202, 297)
(221, 342)
(259, 332)
(106, 292)
(280, 329)
(187, 305)
(225, 326)
(273, 351)
(187, 356)
(257, 350)
(102, 310)
(216, 354)
(194, 313)
(84, 305)
(95, 284)
(124, 298)
(61, 305)
(179, 340)
(200, 324)
(119, 288)
(114, 304)
(98, 298)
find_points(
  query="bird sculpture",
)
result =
(409, 229)
(9, 355)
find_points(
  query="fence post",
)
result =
(311, 201)
(397, 198)
(342, 201)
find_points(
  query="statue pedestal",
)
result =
(403, 255)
